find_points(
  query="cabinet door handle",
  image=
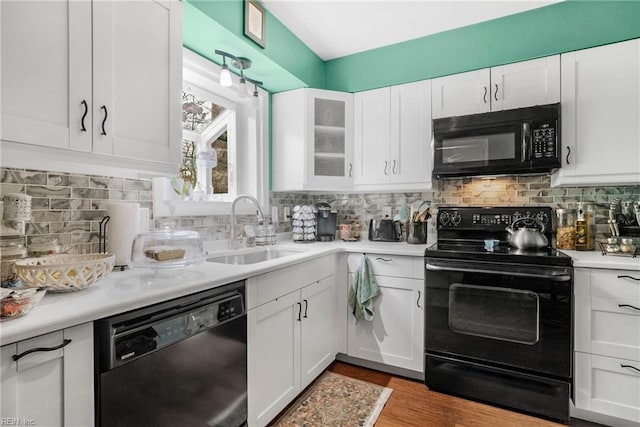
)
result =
(629, 306)
(384, 259)
(350, 169)
(386, 165)
(16, 357)
(568, 153)
(299, 312)
(393, 169)
(106, 114)
(484, 97)
(495, 94)
(84, 115)
(629, 366)
(418, 300)
(306, 305)
(624, 276)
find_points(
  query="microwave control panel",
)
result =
(543, 139)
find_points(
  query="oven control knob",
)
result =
(456, 218)
(444, 218)
(543, 218)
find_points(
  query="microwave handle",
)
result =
(526, 141)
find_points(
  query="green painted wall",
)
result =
(285, 63)
(549, 30)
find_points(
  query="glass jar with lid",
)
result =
(566, 228)
(12, 249)
(10, 252)
(41, 246)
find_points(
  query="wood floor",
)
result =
(412, 404)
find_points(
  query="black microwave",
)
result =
(509, 142)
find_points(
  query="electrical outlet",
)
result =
(386, 211)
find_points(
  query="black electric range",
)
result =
(498, 320)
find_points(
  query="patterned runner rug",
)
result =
(336, 400)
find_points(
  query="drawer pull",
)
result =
(624, 276)
(17, 357)
(629, 306)
(384, 259)
(629, 366)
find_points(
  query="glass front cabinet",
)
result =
(312, 140)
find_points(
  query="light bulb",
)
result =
(225, 76)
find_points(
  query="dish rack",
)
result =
(605, 251)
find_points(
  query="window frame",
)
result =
(252, 147)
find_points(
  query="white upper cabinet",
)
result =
(521, 84)
(99, 77)
(461, 94)
(601, 116)
(46, 73)
(392, 138)
(411, 152)
(312, 140)
(137, 79)
(372, 136)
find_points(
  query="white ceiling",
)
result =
(336, 28)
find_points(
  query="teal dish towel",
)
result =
(363, 290)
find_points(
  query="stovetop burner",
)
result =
(462, 231)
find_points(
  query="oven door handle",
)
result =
(549, 275)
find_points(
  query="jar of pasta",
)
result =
(566, 228)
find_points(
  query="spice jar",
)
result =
(41, 246)
(626, 245)
(566, 229)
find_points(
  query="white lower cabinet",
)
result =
(291, 340)
(607, 342)
(48, 386)
(395, 336)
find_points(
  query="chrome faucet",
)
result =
(232, 234)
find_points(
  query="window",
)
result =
(208, 142)
(225, 146)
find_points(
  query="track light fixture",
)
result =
(241, 64)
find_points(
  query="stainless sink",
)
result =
(253, 256)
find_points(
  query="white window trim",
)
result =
(253, 177)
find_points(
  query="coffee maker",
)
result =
(326, 219)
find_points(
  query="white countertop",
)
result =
(595, 259)
(134, 288)
(127, 290)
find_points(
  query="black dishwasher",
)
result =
(178, 363)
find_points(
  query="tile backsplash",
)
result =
(70, 207)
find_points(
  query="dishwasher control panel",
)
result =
(134, 338)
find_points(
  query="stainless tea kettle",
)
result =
(527, 237)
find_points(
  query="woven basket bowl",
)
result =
(64, 273)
